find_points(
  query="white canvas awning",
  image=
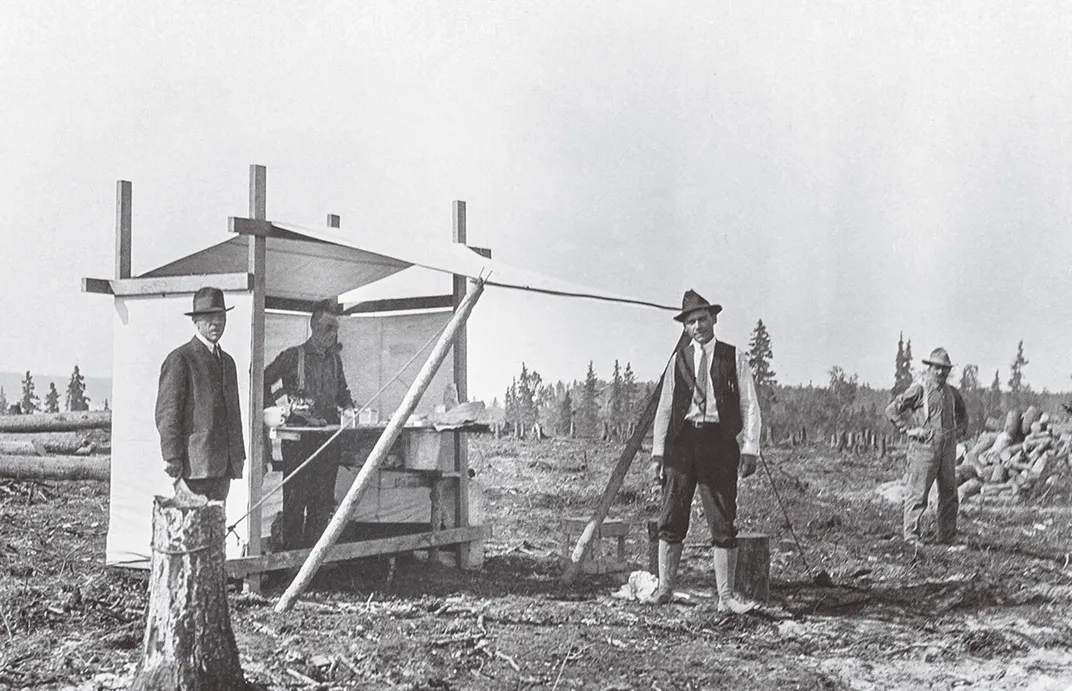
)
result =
(307, 264)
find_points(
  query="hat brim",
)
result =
(713, 309)
(211, 310)
(937, 364)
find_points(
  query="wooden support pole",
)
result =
(461, 382)
(188, 643)
(617, 477)
(379, 453)
(257, 267)
(123, 206)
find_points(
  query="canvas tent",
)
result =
(273, 273)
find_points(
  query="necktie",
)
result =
(218, 353)
(701, 382)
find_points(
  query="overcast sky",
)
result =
(842, 171)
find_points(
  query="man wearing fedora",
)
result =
(932, 414)
(197, 413)
(708, 400)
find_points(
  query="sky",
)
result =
(843, 172)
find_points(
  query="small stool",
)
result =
(598, 560)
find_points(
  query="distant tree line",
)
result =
(29, 402)
(597, 407)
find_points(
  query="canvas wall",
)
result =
(145, 329)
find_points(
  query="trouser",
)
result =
(211, 488)
(705, 459)
(308, 496)
(929, 461)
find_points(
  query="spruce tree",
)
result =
(76, 392)
(565, 413)
(902, 373)
(3, 401)
(630, 391)
(52, 399)
(30, 403)
(615, 410)
(1016, 374)
(760, 354)
(589, 411)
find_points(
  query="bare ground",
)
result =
(993, 614)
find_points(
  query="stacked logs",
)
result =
(1014, 462)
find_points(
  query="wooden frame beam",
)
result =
(461, 382)
(426, 302)
(257, 265)
(123, 207)
(243, 567)
(166, 285)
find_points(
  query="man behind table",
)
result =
(197, 413)
(708, 398)
(311, 371)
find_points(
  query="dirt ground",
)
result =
(991, 614)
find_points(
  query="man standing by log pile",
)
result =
(708, 398)
(932, 414)
(197, 413)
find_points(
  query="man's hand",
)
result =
(747, 465)
(185, 497)
(173, 467)
(918, 434)
(657, 474)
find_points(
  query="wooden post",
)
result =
(123, 207)
(460, 351)
(188, 643)
(753, 566)
(617, 476)
(379, 453)
(257, 266)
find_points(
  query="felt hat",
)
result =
(208, 300)
(939, 358)
(694, 302)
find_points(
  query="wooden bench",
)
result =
(599, 558)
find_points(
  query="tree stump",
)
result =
(753, 566)
(188, 644)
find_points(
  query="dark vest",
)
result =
(723, 381)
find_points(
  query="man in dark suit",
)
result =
(197, 413)
(705, 435)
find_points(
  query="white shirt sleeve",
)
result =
(662, 414)
(752, 423)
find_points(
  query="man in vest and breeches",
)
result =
(933, 415)
(708, 400)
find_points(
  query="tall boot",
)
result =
(725, 573)
(669, 559)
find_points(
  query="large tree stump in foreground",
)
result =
(188, 644)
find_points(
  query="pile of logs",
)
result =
(56, 446)
(1016, 461)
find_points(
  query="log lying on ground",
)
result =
(50, 442)
(57, 422)
(55, 467)
(189, 642)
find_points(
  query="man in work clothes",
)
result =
(708, 398)
(197, 413)
(311, 371)
(933, 415)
